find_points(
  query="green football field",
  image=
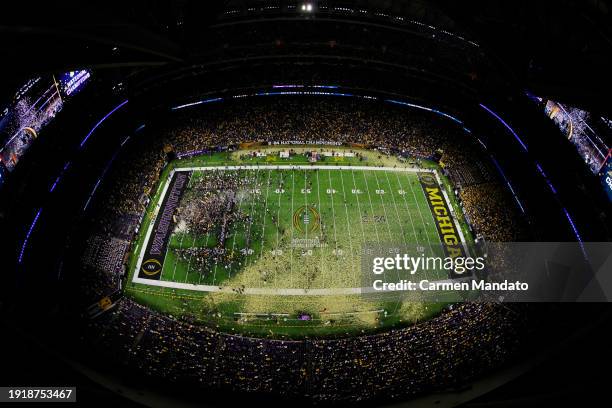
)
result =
(258, 242)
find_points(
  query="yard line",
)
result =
(371, 206)
(306, 226)
(240, 201)
(348, 222)
(280, 187)
(383, 205)
(192, 246)
(416, 238)
(320, 220)
(176, 257)
(291, 225)
(252, 218)
(217, 262)
(399, 220)
(190, 255)
(202, 272)
(421, 213)
(263, 229)
(358, 205)
(180, 244)
(165, 256)
(183, 237)
(160, 278)
(398, 277)
(306, 200)
(333, 211)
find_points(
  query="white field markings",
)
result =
(235, 233)
(381, 193)
(167, 248)
(305, 192)
(181, 240)
(291, 226)
(216, 264)
(331, 193)
(190, 256)
(371, 207)
(206, 246)
(416, 200)
(348, 221)
(401, 224)
(183, 236)
(247, 248)
(301, 292)
(384, 210)
(353, 256)
(277, 291)
(216, 253)
(192, 245)
(305, 251)
(356, 192)
(321, 247)
(176, 257)
(154, 213)
(422, 218)
(452, 211)
(201, 273)
(280, 193)
(416, 238)
(306, 167)
(399, 220)
(263, 228)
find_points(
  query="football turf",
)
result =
(295, 228)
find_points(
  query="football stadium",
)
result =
(325, 203)
(268, 218)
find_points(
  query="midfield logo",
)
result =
(306, 219)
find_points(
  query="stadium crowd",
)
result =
(439, 354)
(462, 342)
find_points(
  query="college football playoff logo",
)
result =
(306, 219)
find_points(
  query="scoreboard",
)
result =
(73, 81)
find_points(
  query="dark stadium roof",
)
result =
(561, 51)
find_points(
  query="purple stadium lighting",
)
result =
(197, 103)
(101, 121)
(59, 177)
(540, 170)
(106, 168)
(571, 221)
(501, 171)
(503, 122)
(425, 108)
(27, 237)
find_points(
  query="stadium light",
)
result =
(307, 7)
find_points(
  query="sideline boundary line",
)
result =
(271, 291)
